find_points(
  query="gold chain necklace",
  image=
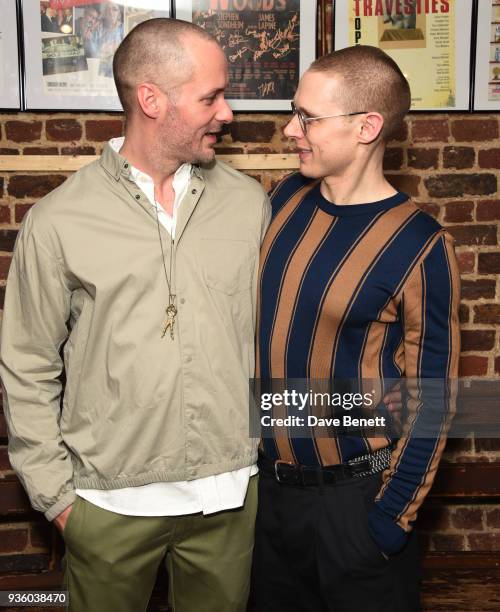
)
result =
(170, 310)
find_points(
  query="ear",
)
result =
(151, 100)
(370, 127)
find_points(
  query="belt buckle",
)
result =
(276, 464)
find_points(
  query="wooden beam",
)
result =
(71, 163)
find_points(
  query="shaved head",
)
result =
(156, 51)
(371, 81)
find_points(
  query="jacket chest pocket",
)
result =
(226, 265)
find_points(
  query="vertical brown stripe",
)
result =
(344, 288)
(272, 233)
(298, 264)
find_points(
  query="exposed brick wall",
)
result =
(449, 164)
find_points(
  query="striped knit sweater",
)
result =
(367, 291)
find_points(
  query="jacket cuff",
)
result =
(61, 504)
(388, 535)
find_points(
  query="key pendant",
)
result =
(171, 311)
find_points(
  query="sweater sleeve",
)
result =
(36, 310)
(430, 301)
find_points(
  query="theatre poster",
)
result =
(268, 45)
(428, 39)
(487, 73)
(69, 47)
(10, 96)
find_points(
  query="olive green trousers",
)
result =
(112, 560)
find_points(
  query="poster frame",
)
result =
(10, 88)
(482, 47)
(307, 54)
(35, 97)
(464, 38)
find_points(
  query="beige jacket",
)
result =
(86, 295)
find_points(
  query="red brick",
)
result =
(26, 186)
(477, 340)
(458, 157)
(7, 239)
(4, 214)
(488, 210)
(457, 185)
(484, 541)
(487, 445)
(463, 313)
(77, 151)
(489, 263)
(448, 542)
(423, 158)
(493, 518)
(250, 131)
(461, 445)
(480, 288)
(469, 130)
(467, 518)
(13, 498)
(13, 540)
(489, 158)
(4, 459)
(24, 563)
(428, 130)
(4, 266)
(40, 151)
(434, 518)
(63, 129)
(473, 365)
(429, 208)
(103, 129)
(2, 296)
(473, 234)
(497, 365)
(23, 131)
(7, 151)
(458, 212)
(406, 183)
(401, 134)
(21, 210)
(466, 261)
(41, 534)
(231, 150)
(393, 158)
(487, 313)
(3, 427)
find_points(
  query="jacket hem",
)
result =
(120, 482)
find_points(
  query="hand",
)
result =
(60, 520)
(394, 401)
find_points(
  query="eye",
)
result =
(210, 100)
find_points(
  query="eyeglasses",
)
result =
(303, 120)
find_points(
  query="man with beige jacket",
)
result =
(136, 281)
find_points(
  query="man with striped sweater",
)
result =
(355, 283)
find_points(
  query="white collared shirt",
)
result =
(208, 495)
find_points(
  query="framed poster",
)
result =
(69, 47)
(487, 73)
(268, 44)
(10, 93)
(429, 39)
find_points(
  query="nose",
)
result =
(224, 112)
(293, 129)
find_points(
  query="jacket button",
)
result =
(194, 191)
(137, 197)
